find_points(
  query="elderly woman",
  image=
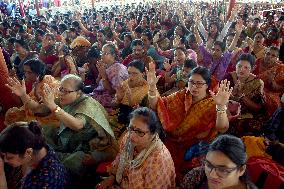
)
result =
(84, 132)
(191, 115)
(23, 146)
(111, 75)
(143, 161)
(33, 86)
(248, 91)
(223, 167)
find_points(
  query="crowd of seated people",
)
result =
(143, 95)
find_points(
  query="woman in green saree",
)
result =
(84, 135)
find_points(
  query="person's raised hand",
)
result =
(17, 87)
(152, 79)
(221, 98)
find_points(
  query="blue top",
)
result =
(159, 60)
(49, 174)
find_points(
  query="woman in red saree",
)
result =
(191, 115)
(271, 71)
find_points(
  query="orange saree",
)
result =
(276, 73)
(25, 114)
(186, 124)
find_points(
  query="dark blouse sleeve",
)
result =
(51, 175)
(194, 178)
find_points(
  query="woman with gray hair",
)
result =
(84, 134)
(111, 75)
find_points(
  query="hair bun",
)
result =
(35, 128)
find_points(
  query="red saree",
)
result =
(186, 124)
(276, 73)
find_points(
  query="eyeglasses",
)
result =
(62, 90)
(222, 172)
(137, 131)
(197, 84)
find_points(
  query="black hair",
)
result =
(234, 148)
(274, 48)
(204, 72)
(65, 49)
(274, 29)
(257, 32)
(247, 57)
(72, 30)
(128, 35)
(189, 63)
(37, 67)
(62, 27)
(94, 52)
(151, 119)
(218, 28)
(54, 27)
(221, 44)
(138, 64)
(20, 136)
(148, 34)
(138, 29)
(40, 32)
(137, 42)
(12, 40)
(23, 44)
(257, 19)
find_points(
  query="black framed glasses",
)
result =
(137, 131)
(62, 90)
(197, 84)
(221, 171)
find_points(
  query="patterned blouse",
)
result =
(49, 174)
(196, 179)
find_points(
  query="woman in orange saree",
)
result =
(257, 48)
(34, 71)
(190, 116)
(271, 71)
